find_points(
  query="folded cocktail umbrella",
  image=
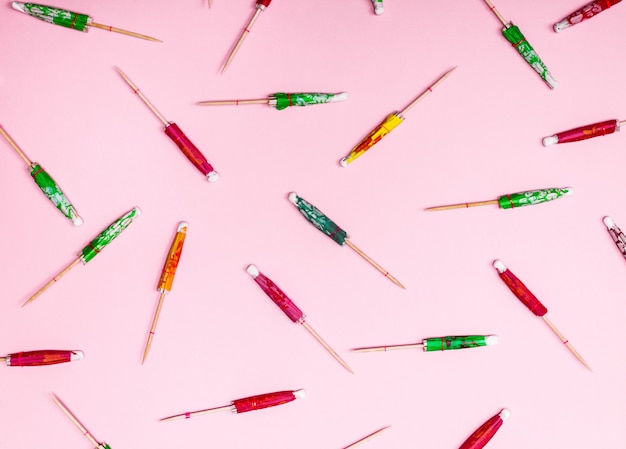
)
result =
(70, 19)
(583, 132)
(42, 357)
(513, 200)
(513, 34)
(47, 185)
(282, 101)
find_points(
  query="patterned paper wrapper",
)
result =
(282, 101)
(390, 122)
(57, 16)
(105, 237)
(39, 358)
(486, 432)
(454, 342)
(319, 220)
(192, 152)
(263, 401)
(173, 257)
(262, 4)
(522, 292)
(279, 298)
(584, 13)
(618, 237)
(588, 131)
(54, 193)
(513, 34)
(531, 197)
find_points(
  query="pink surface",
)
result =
(477, 136)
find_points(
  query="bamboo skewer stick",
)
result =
(326, 346)
(244, 34)
(235, 102)
(54, 279)
(153, 327)
(566, 342)
(143, 97)
(374, 264)
(367, 438)
(498, 15)
(15, 146)
(197, 413)
(463, 205)
(427, 91)
(3, 359)
(121, 31)
(76, 422)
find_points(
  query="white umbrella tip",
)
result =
(551, 81)
(253, 271)
(213, 176)
(342, 96)
(608, 221)
(293, 197)
(18, 6)
(491, 340)
(137, 211)
(550, 140)
(77, 221)
(505, 413)
(379, 9)
(182, 225)
(343, 162)
(77, 355)
(567, 190)
(300, 394)
(499, 265)
(560, 26)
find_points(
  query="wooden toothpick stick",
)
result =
(197, 413)
(566, 342)
(388, 348)
(367, 438)
(143, 97)
(326, 346)
(235, 102)
(498, 15)
(76, 422)
(153, 327)
(374, 264)
(53, 280)
(463, 205)
(427, 91)
(15, 146)
(121, 31)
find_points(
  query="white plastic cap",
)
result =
(252, 271)
(77, 355)
(499, 265)
(213, 176)
(505, 413)
(77, 221)
(182, 225)
(491, 340)
(560, 26)
(379, 9)
(551, 81)
(293, 197)
(137, 210)
(300, 394)
(608, 221)
(343, 96)
(18, 6)
(343, 162)
(569, 190)
(550, 140)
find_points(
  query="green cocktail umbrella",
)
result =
(94, 247)
(513, 200)
(332, 230)
(440, 343)
(70, 19)
(77, 423)
(47, 185)
(513, 34)
(282, 100)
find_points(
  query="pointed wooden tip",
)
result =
(171, 418)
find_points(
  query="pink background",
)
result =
(477, 136)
